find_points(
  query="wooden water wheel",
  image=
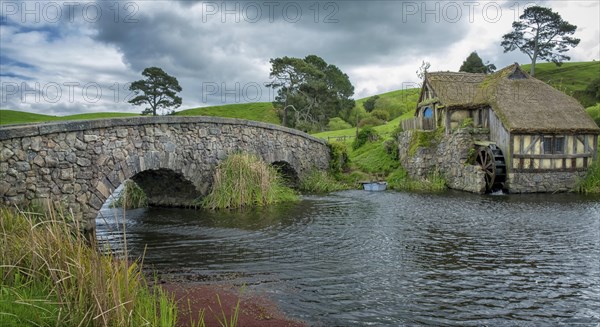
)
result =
(491, 160)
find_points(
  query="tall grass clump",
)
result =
(400, 180)
(131, 197)
(321, 182)
(51, 276)
(591, 182)
(244, 180)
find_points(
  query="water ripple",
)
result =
(360, 258)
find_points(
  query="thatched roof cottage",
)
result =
(538, 135)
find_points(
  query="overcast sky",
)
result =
(72, 57)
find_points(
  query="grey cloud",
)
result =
(211, 51)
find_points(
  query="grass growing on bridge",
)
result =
(244, 180)
(131, 197)
(50, 276)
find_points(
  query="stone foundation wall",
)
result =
(448, 158)
(544, 182)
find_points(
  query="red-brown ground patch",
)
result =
(254, 310)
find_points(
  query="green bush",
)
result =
(339, 157)
(245, 180)
(337, 123)
(381, 114)
(365, 135)
(370, 122)
(391, 148)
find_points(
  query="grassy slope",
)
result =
(18, 117)
(259, 111)
(570, 76)
(395, 101)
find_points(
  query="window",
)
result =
(554, 144)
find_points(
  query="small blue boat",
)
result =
(374, 186)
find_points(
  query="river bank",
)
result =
(222, 302)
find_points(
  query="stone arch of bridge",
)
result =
(80, 163)
(287, 171)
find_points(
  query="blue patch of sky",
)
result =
(10, 62)
(18, 76)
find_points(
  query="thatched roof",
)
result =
(523, 104)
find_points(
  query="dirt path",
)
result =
(254, 310)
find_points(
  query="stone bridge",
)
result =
(78, 164)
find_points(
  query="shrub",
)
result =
(245, 180)
(467, 122)
(370, 122)
(339, 157)
(381, 114)
(391, 148)
(337, 123)
(365, 135)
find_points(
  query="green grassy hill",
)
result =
(396, 102)
(20, 117)
(259, 111)
(571, 77)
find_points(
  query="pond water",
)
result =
(391, 258)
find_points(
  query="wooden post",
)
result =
(447, 121)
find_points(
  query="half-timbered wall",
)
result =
(553, 151)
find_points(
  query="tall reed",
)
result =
(244, 180)
(48, 254)
(131, 197)
(321, 182)
(591, 182)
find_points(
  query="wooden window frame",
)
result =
(553, 144)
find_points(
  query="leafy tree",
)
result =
(541, 34)
(474, 64)
(310, 91)
(158, 91)
(369, 104)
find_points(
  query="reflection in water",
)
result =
(393, 258)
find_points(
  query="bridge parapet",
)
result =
(80, 163)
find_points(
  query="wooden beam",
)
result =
(595, 147)
(538, 170)
(530, 146)
(554, 156)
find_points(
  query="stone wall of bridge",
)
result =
(79, 164)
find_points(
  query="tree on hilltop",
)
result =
(541, 34)
(158, 91)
